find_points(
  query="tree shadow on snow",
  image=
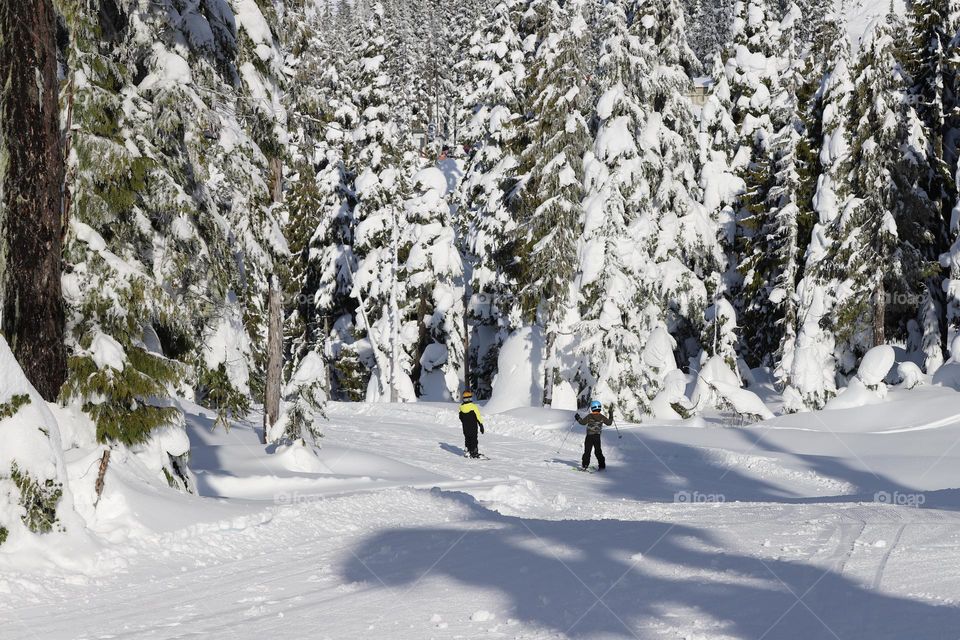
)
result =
(628, 579)
(643, 467)
(871, 486)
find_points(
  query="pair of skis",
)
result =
(587, 469)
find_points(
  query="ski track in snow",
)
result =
(690, 533)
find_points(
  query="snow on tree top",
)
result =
(431, 178)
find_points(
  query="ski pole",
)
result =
(565, 438)
(615, 426)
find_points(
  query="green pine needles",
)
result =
(221, 395)
(124, 404)
(39, 501)
(10, 408)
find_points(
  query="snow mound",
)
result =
(856, 394)
(482, 616)
(719, 386)
(658, 351)
(300, 457)
(910, 375)
(519, 380)
(744, 402)
(876, 364)
(30, 447)
(672, 393)
(517, 498)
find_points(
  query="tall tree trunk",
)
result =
(423, 341)
(548, 369)
(276, 188)
(271, 402)
(31, 193)
(879, 313)
(394, 312)
(466, 348)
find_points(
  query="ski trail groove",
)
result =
(886, 557)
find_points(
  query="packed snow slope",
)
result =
(836, 524)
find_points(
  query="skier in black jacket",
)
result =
(471, 421)
(594, 422)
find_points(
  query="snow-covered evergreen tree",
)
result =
(385, 162)
(494, 102)
(611, 264)
(320, 200)
(787, 200)
(933, 26)
(172, 233)
(686, 245)
(710, 22)
(718, 141)
(720, 335)
(813, 370)
(883, 250)
(950, 259)
(552, 165)
(754, 73)
(433, 277)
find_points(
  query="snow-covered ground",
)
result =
(837, 524)
(860, 13)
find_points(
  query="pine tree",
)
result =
(928, 319)
(754, 87)
(932, 29)
(432, 275)
(950, 259)
(552, 167)
(494, 101)
(813, 369)
(686, 244)
(613, 333)
(786, 200)
(173, 234)
(933, 26)
(381, 186)
(108, 297)
(722, 188)
(320, 197)
(710, 24)
(879, 253)
(720, 181)
(720, 332)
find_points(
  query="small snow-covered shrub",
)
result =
(909, 374)
(10, 408)
(672, 403)
(718, 386)
(39, 500)
(216, 391)
(305, 395)
(352, 376)
(33, 498)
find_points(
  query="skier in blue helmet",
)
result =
(594, 422)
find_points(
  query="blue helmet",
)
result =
(595, 405)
